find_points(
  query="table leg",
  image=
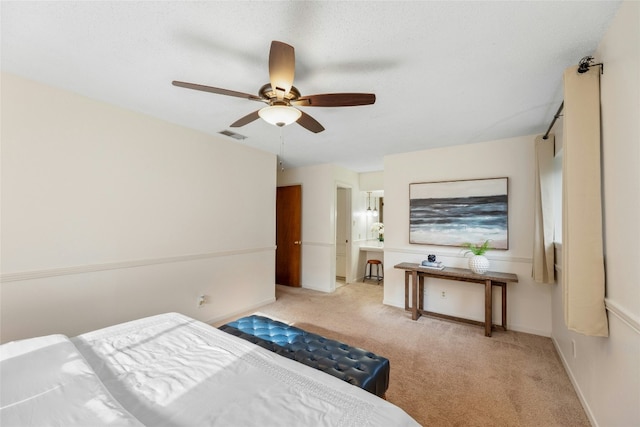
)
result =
(504, 306)
(421, 293)
(488, 303)
(414, 295)
(406, 289)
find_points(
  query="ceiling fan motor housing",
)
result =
(267, 93)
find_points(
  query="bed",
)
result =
(171, 370)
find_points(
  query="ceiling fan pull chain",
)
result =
(281, 149)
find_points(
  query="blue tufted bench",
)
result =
(354, 365)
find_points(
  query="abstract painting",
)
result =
(452, 213)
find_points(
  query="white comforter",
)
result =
(45, 381)
(171, 370)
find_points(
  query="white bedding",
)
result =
(171, 370)
(45, 381)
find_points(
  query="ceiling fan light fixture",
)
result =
(279, 115)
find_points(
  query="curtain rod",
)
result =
(556, 117)
(583, 67)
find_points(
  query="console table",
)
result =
(417, 273)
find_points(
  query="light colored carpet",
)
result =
(442, 373)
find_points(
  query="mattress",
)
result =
(171, 370)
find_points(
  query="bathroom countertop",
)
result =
(372, 246)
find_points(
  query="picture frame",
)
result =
(454, 213)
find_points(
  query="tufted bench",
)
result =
(354, 365)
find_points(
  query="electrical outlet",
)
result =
(443, 294)
(201, 301)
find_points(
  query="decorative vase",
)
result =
(381, 238)
(479, 264)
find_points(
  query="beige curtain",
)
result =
(543, 250)
(583, 277)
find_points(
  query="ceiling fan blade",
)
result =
(217, 90)
(282, 66)
(246, 119)
(336, 100)
(309, 123)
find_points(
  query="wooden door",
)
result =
(288, 235)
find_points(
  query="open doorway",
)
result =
(343, 235)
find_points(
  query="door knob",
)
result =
(297, 242)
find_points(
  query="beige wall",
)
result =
(109, 215)
(529, 303)
(606, 371)
(319, 192)
(371, 181)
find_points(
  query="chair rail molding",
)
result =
(632, 321)
(322, 244)
(90, 268)
(457, 255)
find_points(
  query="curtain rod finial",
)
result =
(586, 62)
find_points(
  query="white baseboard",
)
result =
(393, 303)
(232, 315)
(575, 384)
(314, 288)
(512, 327)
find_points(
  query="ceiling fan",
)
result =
(281, 96)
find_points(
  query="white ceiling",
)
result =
(444, 73)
